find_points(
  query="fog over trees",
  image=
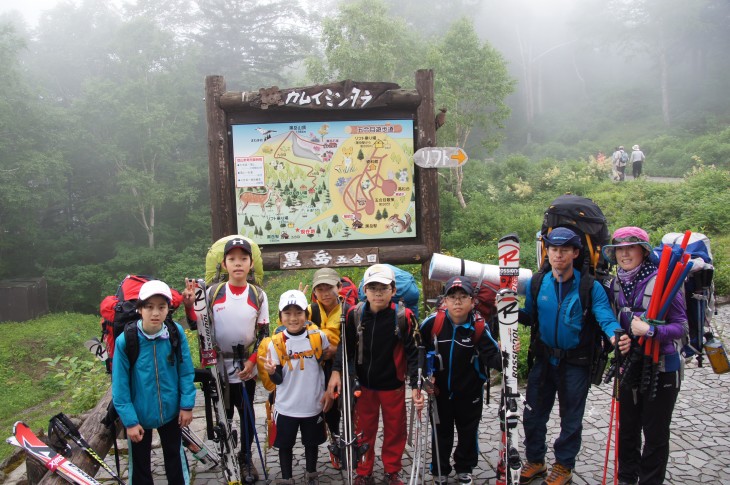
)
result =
(103, 157)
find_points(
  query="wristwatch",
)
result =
(650, 332)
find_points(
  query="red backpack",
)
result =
(121, 308)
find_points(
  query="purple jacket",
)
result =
(675, 326)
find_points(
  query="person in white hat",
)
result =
(637, 161)
(300, 391)
(157, 392)
(381, 347)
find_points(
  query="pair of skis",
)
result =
(510, 464)
(221, 432)
(25, 438)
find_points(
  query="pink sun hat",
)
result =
(626, 236)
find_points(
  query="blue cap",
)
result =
(562, 236)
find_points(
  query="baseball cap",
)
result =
(626, 236)
(155, 287)
(562, 236)
(238, 242)
(293, 297)
(459, 282)
(326, 276)
(378, 273)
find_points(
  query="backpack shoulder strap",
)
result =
(438, 323)
(280, 348)
(174, 340)
(315, 340)
(357, 312)
(479, 325)
(585, 292)
(131, 339)
(316, 315)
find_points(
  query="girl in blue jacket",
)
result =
(157, 392)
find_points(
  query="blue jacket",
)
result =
(560, 323)
(157, 390)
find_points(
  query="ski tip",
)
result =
(510, 237)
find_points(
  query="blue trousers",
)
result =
(570, 383)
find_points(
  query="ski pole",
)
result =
(248, 417)
(66, 427)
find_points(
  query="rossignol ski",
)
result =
(221, 432)
(25, 438)
(510, 464)
(63, 427)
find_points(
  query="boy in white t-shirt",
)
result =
(240, 314)
(300, 391)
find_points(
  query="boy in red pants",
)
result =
(381, 345)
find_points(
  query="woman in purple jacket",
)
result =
(632, 287)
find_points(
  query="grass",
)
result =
(32, 390)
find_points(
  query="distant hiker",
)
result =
(158, 392)
(631, 290)
(619, 159)
(562, 363)
(240, 313)
(467, 351)
(292, 363)
(381, 347)
(637, 160)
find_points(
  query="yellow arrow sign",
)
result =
(459, 156)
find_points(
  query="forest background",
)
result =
(103, 155)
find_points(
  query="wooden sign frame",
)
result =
(384, 101)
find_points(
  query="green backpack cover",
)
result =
(214, 271)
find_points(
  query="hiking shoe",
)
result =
(440, 479)
(465, 478)
(335, 461)
(559, 475)
(394, 478)
(363, 480)
(312, 478)
(532, 471)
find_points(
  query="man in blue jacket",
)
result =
(562, 358)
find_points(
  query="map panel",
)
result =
(324, 181)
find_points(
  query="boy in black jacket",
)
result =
(382, 349)
(461, 338)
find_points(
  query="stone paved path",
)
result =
(698, 449)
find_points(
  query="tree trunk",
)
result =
(99, 437)
(459, 174)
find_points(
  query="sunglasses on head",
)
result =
(628, 239)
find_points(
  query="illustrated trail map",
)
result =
(324, 181)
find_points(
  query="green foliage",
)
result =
(29, 386)
(363, 41)
(84, 379)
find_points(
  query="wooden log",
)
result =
(219, 178)
(99, 437)
(430, 226)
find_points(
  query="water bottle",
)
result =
(716, 355)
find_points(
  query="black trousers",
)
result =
(636, 169)
(331, 417)
(236, 396)
(464, 413)
(176, 464)
(653, 418)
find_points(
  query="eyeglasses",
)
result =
(378, 289)
(458, 297)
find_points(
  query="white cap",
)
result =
(293, 297)
(379, 273)
(155, 287)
